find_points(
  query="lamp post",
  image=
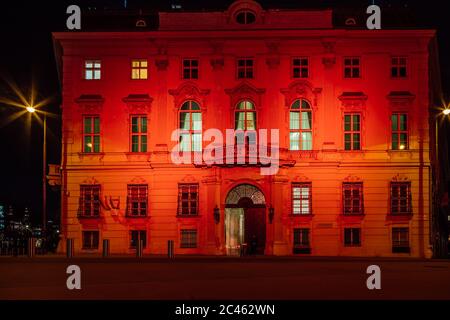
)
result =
(32, 110)
(438, 237)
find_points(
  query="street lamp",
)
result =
(437, 239)
(32, 110)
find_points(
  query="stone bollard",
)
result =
(105, 248)
(31, 247)
(139, 248)
(69, 248)
(170, 249)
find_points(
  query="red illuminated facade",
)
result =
(351, 106)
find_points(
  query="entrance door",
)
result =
(255, 230)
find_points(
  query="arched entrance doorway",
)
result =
(245, 220)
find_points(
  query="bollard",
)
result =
(170, 249)
(69, 248)
(139, 248)
(31, 247)
(105, 248)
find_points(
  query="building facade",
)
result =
(351, 106)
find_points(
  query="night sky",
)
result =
(27, 57)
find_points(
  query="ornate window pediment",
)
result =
(353, 101)
(138, 103)
(400, 178)
(189, 91)
(90, 103)
(300, 89)
(90, 180)
(352, 179)
(245, 91)
(400, 100)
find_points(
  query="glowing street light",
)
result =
(446, 112)
(31, 109)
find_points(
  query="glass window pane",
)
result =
(403, 122)
(306, 141)
(88, 125)
(306, 120)
(294, 122)
(294, 141)
(144, 124)
(196, 121)
(97, 125)
(185, 122)
(394, 122)
(87, 144)
(96, 143)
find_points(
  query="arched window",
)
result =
(245, 116)
(300, 126)
(190, 126)
(245, 17)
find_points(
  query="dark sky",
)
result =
(27, 56)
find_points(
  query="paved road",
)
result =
(220, 278)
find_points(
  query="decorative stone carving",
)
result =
(300, 89)
(138, 103)
(90, 180)
(401, 100)
(189, 91)
(245, 91)
(352, 178)
(353, 101)
(90, 103)
(400, 178)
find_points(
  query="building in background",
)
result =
(352, 107)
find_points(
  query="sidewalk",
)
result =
(208, 258)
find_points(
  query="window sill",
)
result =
(93, 250)
(82, 217)
(352, 246)
(137, 217)
(191, 216)
(399, 217)
(301, 216)
(301, 250)
(401, 250)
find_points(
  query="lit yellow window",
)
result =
(139, 69)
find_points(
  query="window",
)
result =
(245, 17)
(190, 69)
(89, 200)
(92, 69)
(91, 134)
(138, 134)
(300, 68)
(137, 201)
(301, 241)
(300, 126)
(188, 238)
(245, 69)
(90, 240)
(245, 116)
(301, 199)
(352, 237)
(352, 67)
(400, 240)
(353, 198)
(352, 132)
(401, 198)
(399, 67)
(139, 69)
(136, 236)
(191, 127)
(187, 199)
(400, 132)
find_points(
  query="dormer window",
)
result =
(245, 17)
